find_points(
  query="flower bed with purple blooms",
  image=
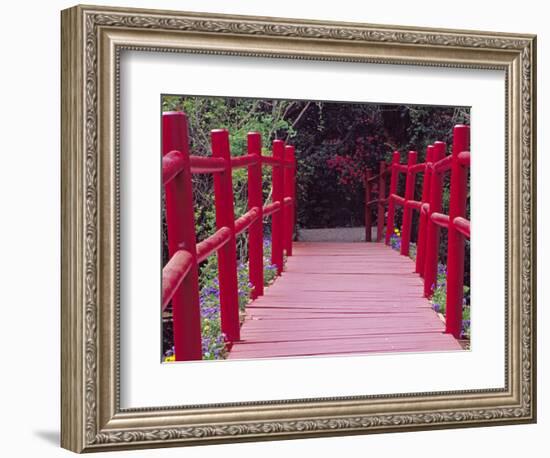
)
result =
(213, 339)
(439, 297)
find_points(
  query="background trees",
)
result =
(335, 143)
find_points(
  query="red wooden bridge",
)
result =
(332, 298)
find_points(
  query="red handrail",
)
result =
(200, 164)
(440, 219)
(213, 243)
(173, 274)
(271, 208)
(244, 161)
(172, 164)
(431, 218)
(245, 221)
(180, 274)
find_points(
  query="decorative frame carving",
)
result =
(92, 38)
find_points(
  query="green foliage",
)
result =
(270, 270)
(335, 144)
(239, 116)
(213, 340)
(439, 300)
(271, 118)
(429, 123)
(439, 297)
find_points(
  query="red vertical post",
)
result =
(432, 237)
(393, 190)
(407, 211)
(423, 218)
(227, 255)
(256, 231)
(455, 253)
(381, 197)
(277, 221)
(290, 192)
(181, 235)
(368, 213)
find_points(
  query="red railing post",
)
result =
(368, 213)
(381, 197)
(455, 253)
(290, 193)
(227, 255)
(277, 222)
(423, 214)
(432, 237)
(256, 231)
(393, 190)
(407, 211)
(181, 235)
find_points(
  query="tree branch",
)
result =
(298, 118)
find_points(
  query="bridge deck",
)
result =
(342, 298)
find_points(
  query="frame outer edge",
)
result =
(533, 254)
(82, 379)
(72, 251)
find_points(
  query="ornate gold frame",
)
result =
(92, 38)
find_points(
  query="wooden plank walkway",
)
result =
(342, 298)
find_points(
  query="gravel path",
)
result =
(336, 234)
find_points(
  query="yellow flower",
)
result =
(168, 359)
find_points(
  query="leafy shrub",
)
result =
(213, 340)
(439, 297)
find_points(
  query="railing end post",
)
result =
(175, 135)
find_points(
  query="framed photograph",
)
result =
(278, 228)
